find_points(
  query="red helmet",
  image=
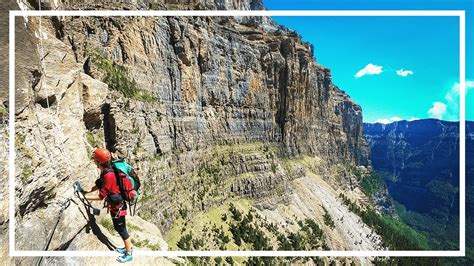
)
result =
(102, 156)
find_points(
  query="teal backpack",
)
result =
(128, 181)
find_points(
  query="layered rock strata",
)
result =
(206, 108)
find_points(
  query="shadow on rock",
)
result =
(92, 225)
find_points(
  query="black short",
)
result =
(120, 226)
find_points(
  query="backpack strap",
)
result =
(104, 172)
(119, 181)
(100, 182)
(122, 191)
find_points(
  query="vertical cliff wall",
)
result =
(206, 108)
(217, 81)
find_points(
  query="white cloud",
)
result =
(388, 120)
(438, 110)
(404, 73)
(452, 99)
(382, 121)
(452, 96)
(469, 85)
(369, 69)
(394, 119)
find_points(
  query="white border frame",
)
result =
(101, 13)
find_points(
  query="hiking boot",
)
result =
(121, 250)
(125, 258)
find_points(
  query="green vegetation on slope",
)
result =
(423, 223)
(371, 183)
(212, 181)
(395, 234)
(238, 226)
(117, 78)
(427, 229)
(407, 233)
(327, 219)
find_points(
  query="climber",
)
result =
(110, 191)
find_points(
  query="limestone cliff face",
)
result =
(238, 72)
(209, 109)
(221, 82)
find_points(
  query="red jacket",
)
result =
(109, 186)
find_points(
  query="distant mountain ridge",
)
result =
(419, 161)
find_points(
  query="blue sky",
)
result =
(365, 53)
